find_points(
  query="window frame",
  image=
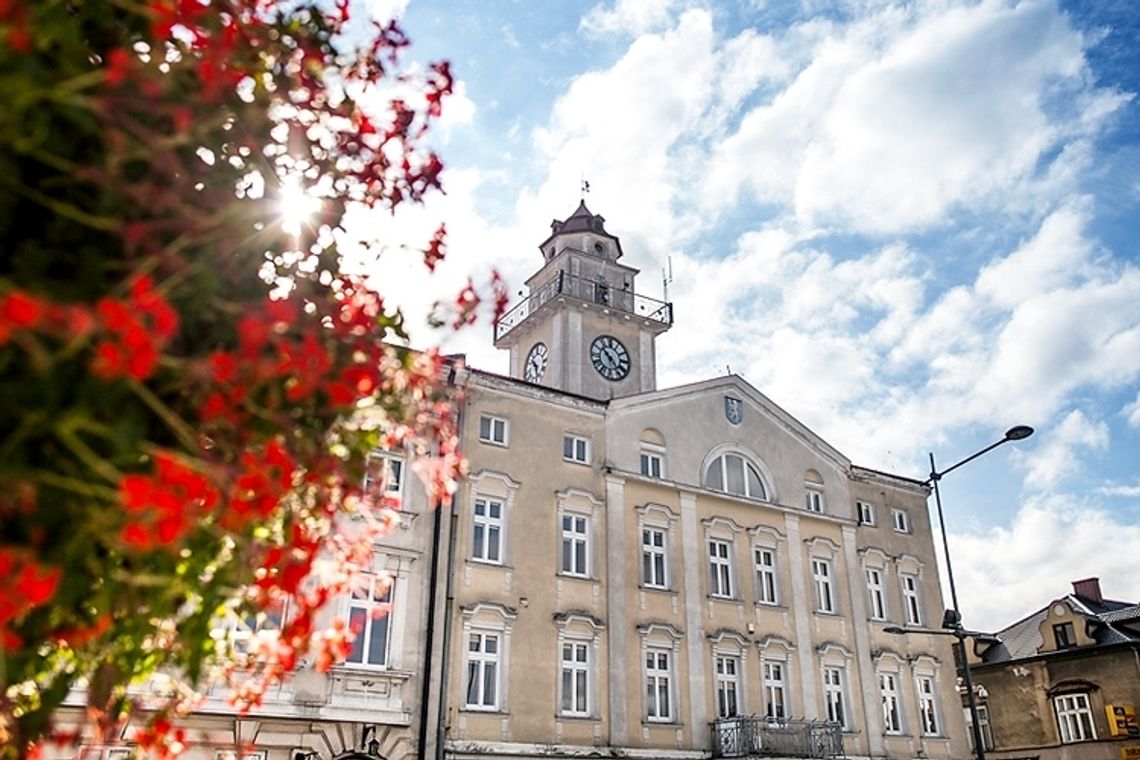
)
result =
(823, 585)
(650, 553)
(482, 659)
(480, 549)
(774, 686)
(983, 724)
(727, 686)
(900, 520)
(578, 544)
(876, 594)
(491, 438)
(814, 501)
(377, 617)
(658, 684)
(929, 717)
(835, 694)
(767, 575)
(866, 512)
(892, 706)
(720, 556)
(575, 448)
(649, 457)
(581, 690)
(912, 598)
(392, 468)
(747, 467)
(1071, 729)
(1065, 635)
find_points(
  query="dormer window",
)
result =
(599, 248)
(1064, 635)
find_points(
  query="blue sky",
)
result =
(910, 225)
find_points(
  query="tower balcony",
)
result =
(566, 286)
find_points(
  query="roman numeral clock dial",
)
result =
(610, 358)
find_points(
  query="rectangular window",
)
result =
(575, 678)
(576, 449)
(720, 569)
(813, 501)
(878, 607)
(727, 686)
(766, 576)
(892, 717)
(368, 618)
(866, 513)
(575, 545)
(493, 430)
(652, 464)
(653, 572)
(775, 691)
(1074, 716)
(833, 695)
(483, 658)
(658, 672)
(900, 521)
(983, 723)
(821, 577)
(487, 533)
(387, 469)
(910, 600)
(1064, 635)
(927, 705)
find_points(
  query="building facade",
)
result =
(633, 570)
(1064, 682)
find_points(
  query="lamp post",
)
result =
(952, 620)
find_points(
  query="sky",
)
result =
(911, 225)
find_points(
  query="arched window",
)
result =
(734, 474)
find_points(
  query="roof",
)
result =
(1023, 640)
(582, 220)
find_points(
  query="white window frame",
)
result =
(866, 513)
(720, 568)
(775, 685)
(822, 573)
(835, 694)
(575, 681)
(574, 556)
(927, 691)
(876, 593)
(659, 699)
(575, 448)
(371, 597)
(494, 430)
(478, 661)
(489, 525)
(654, 557)
(813, 500)
(652, 462)
(900, 521)
(983, 723)
(726, 671)
(912, 601)
(746, 467)
(767, 577)
(1074, 717)
(388, 467)
(892, 706)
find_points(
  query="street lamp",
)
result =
(952, 620)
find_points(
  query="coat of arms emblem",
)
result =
(733, 409)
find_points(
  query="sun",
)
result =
(296, 205)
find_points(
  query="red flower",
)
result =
(21, 309)
(436, 249)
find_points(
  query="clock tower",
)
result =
(582, 327)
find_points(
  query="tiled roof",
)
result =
(1023, 638)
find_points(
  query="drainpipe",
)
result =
(429, 638)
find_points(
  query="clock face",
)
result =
(535, 363)
(610, 358)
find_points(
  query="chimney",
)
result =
(1088, 589)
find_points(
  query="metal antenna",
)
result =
(666, 278)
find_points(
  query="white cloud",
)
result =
(1132, 411)
(633, 17)
(1059, 457)
(1052, 541)
(383, 10)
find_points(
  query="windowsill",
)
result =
(725, 599)
(577, 718)
(828, 613)
(488, 563)
(771, 605)
(575, 461)
(576, 577)
(662, 723)
(503, 445)
(474, 710)
(657, 589)
(935, 737)
(895, 735)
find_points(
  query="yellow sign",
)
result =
(1122, 722)
(1131, 752)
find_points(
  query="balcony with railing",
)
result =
(588, 291)
(758, 736)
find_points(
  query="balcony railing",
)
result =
(757, 736)
(588, 290)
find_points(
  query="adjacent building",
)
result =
(1064, 682)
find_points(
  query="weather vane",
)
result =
(585, 187)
